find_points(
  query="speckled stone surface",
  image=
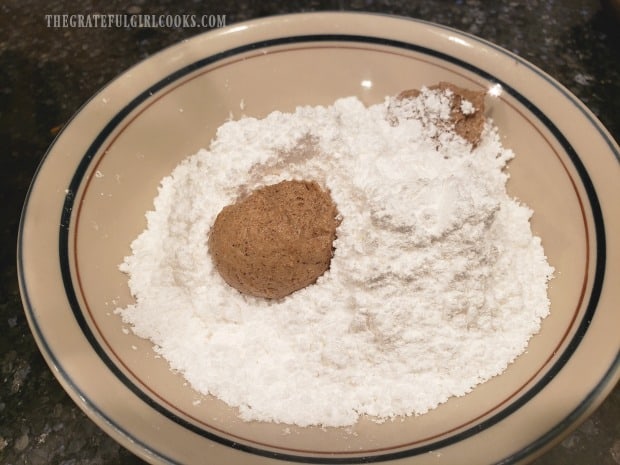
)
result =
(47, 73)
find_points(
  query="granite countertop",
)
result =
(46, 73)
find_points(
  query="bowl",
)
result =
(89, 197)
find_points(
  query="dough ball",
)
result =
(275, 241)
(466, 110)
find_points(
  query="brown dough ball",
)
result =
(469, 126)
(275, 241)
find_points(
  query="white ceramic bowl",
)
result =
(88, 200)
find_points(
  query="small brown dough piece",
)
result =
(467, 125)
(275, 241)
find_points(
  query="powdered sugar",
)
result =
(467, 108)
(435, 286)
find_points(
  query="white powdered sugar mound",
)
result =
(435, 286)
